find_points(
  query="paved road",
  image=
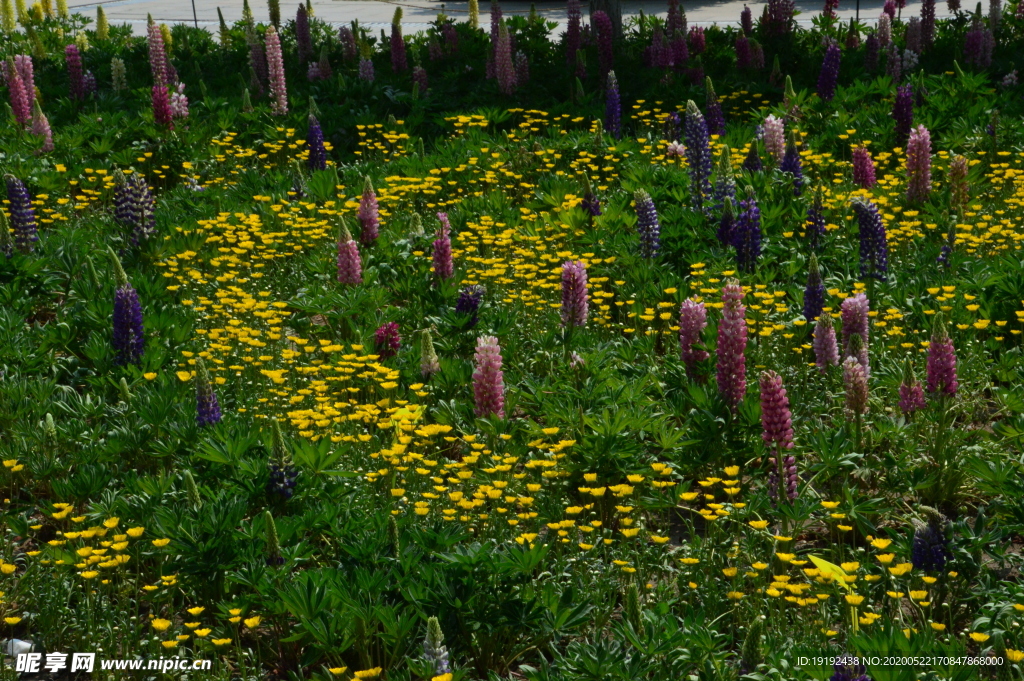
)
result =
(417, 13)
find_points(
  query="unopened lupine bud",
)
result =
(191, 489)
(271, 538)
(429, 364)
(574, 294)
(826, 351)
(488, 379)
(732, 344)
(942, 379)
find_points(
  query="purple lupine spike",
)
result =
(715, 119)
(603, 27)
(911, 392)
(747, 21)
(41, 128)
(157, 54)
(419, 76)
(23, 216)
(128, 336)
(697, 42)
(366, 70)
(814, 293)
(75, 73)
(959, 189)
(18, 93)
(889, 8)
(776, 419)
(744, 57)
(369, 215)
(496, 16)
(693, 319)
(613, 108)
(726, 232)
(756, 56)
(942, 379)
(732, 344)
(350, 264)
(647, 224)
(830, 8)
(348, 43)
(675, 21)
(780, 16)
(752, 162)
(303, 40)
(919, 165)
(590, 202)
(275, 70)
(315, 143)
(504, 69)
(573, 33)
(856, 323)
(792, 166)
(871, 49)
(912, 36)
(725, 183)
(399, 62)
(488, 379)
(142, 209)
(774, 135)
(698, 155)
(257, 64)
(863, 168)
(789, 474)
(849, 668)
(927, 23)
(522, 68)
(747, 233)
(25, 69)
(903, 113)
(444, 266)
(829, 76)
(815, 225)
(386, 340)
(451, 37)
(468, 303)
(162, 114)
(826, 350)
(855, 383)
(874, 244)
(574, 293)
(884, 30)
(207, 406)
(678, 50)
(657, 53)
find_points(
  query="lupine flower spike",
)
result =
(911, 392)
(23, 216)
(732, 344)
(315, 143)
(574, 294)
(647, 224)
(369, 217)
(275, 68)
(863, 168)
(814, 293)
(942, 379)
(747, 234)
(350, 264)
(207, 406)
(855, 318)
(386, 340)
(129, 339)
(919, 165)
(488, 379)
(826, 351)
(693, 319)
(698, 155)
(429, 364)
(613, 108)
(444, 267)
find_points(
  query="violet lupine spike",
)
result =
(128, 333)
(747, 21)
(698, 155)
(18, 94)
(815, 225)
(590, 202)
(744, 56)
(444, 266)
(826, 350)
(468, 304)
(732, 344)
(726, 232)
(792, 165)
(855, 383)
(680, 54)
(747, 235)
(207, 406)
(889, 9)
(903, 113)
(75, 73)
(776, 419)
(157, 54)
(814, 293)
(603, 27)
(874, 243)
(871, 49)
(275, 69)
(350, 264)
(863, 168)
(386, 340)
(830, 8)
(23, 216)
(725, 184)
(912, 36)
(419, 77)
(647, 224)
(693, 319)
(942, 378)
(775, 138)
(488, 378)
(715, 119)
(829, 76)
(369, 215)
(919, 165)
(927, 23)
(348, 43)
(675, 21)
(504, 69)
(303, 40)
(366, 70)
(613, 108)
(911, 392)
(162, 114)
(315, 143)
(574, 294)
(257, 64)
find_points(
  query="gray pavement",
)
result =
(418, 13)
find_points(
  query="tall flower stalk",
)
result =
(23, 216)
(129, 338)
(647, 224)
(207, 406)
(693, 319)
(874, 243)
(698, 155)
(574, 294)
(369, 215)
(488, 378)
(444, 266)
(350, 264)
(732, 344)
(826, 351)
(919, 165)
(275, 69)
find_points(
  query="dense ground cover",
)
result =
(309, 368)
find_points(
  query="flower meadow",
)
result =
(633, 350)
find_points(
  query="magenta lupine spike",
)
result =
(855, 318)
(693, 319)
(275, 68)
(366, 70)
(19, 97)
(399, 62)
(75, 73)
(732, 344)
(23, 64)
(157, 54)
(919, 165)
(369, 216)
(162, 113)
(855, 382)
(911, 392)
(884, 31)
(488, 379)
(303, 40)
(941, 363)
(959, 189)
(386, 340)
(826, 351)
(504, 69)
(444, 267)
(863, 168)
(776, 419)
(41, 128)
(574, 293)
(775, 137)
(602, 24)
(350, 264)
